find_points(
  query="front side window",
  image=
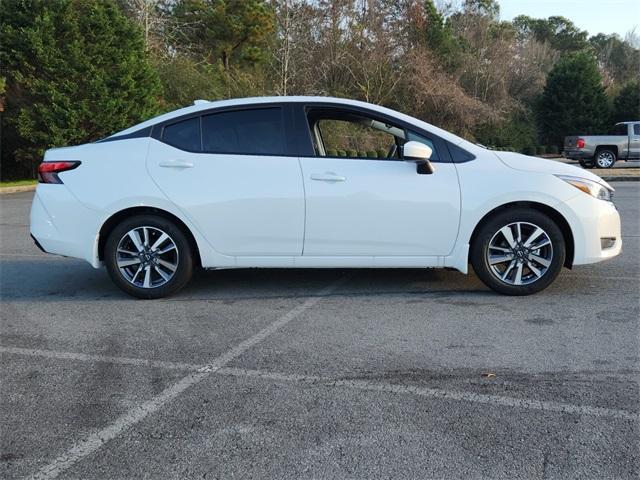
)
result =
(184, 135)
(337, 133)
(636, 129)
(357, 137)
(245, 132)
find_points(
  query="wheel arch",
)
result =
(111, 222)
(552, 213)
(613, 148)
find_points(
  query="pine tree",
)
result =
(573, 100)
(626, 105)
(76, 71)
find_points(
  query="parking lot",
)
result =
(317, 373)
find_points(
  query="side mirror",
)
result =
(418, 153)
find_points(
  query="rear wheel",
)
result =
(585, 164)
(147, 256)
(605, 158)
(518, 252)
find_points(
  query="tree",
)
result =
(617, 57)
(229, 31)
(76, 71)
(626, 105)
(573, 100)
(559, 32)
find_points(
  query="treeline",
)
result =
(73, 71)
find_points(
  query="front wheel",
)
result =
(605, 158)
(147, 256)
(518, 252)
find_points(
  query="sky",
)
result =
(595, 16)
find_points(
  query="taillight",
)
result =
(48, 171)
(580, 143)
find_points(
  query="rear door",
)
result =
(231, 175)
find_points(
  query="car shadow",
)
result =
(58, 279)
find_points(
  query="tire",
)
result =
(605, 158)
(537, 268)
(585, 164)
(155, 268)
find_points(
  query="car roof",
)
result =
(204, 105)
(631, 122)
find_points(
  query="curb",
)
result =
(22, 188)
(621, 179)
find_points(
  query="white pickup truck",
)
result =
(602, 151)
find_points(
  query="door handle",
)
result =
(175, 164)
(327, 177)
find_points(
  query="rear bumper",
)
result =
(35, 240)
(591, 221)
(577, 154)
(61, 225)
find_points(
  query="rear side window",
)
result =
(620, 129)
(184, 135)
(245, 132)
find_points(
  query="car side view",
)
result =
(314, 182)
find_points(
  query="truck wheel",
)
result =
(605, 158)
(585, 164)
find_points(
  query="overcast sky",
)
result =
(595, 16)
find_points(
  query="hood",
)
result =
(525, 163)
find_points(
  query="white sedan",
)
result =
(314, 182)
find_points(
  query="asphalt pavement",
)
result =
(315, 374)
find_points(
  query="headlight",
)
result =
(594, 189)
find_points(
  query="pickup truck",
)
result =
(602, 151)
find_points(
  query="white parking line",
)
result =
(216, 367)
(83, 357)
(497, 400)
(97, 439)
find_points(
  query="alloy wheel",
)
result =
(520, 253)
(147, 257)
(605, 159)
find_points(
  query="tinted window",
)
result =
(250, 132)
(636, 129)
(184, 135)
(620, 130)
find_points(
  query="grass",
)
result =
(18, 183)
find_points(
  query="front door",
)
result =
(363, 199)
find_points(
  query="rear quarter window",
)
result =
(184, 135)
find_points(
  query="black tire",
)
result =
(585, 164)
(181, 255)
(529, 219)
(605, 158)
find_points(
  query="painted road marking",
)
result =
(99, 438)
(218, 367)
(497, 400)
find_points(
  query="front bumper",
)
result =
(592, 220)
